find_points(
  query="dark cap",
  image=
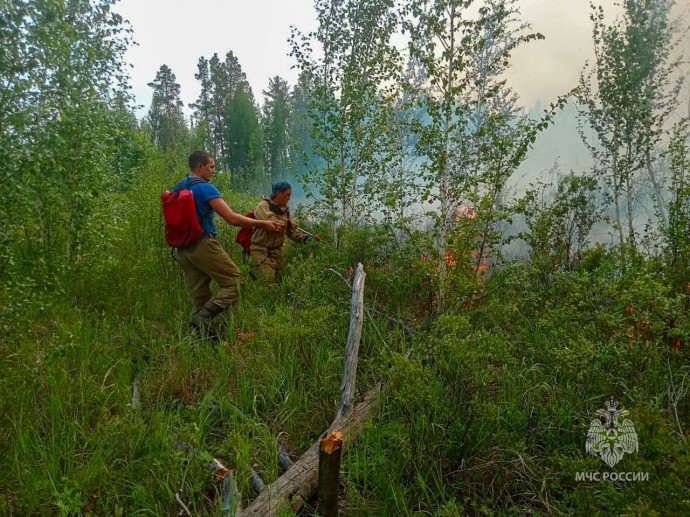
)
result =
(278, 187)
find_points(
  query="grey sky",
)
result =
(178, 32)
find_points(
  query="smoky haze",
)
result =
(539, 73)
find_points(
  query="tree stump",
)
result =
(330, 453)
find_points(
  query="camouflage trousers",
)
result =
(205, 261)
(268, 262)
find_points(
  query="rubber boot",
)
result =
(201, 320)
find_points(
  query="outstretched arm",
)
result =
(223, 210)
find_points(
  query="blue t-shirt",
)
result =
(203, 193)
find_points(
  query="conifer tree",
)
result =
(301, 126)
(165, 115)
(202, 114)
(276, 126)
(245, 159)
(219, 82)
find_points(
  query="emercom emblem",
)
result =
(609, 438)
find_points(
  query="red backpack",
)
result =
(244, 236)
(182, 227)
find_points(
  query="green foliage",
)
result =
(245, 148)
(559, 219)
(165, 117)
(474, 135)
(112, 407)
(626, 96)
(678, 232)
(350, 102)
(63, 128)
(219, 81)
(493, 406)
(277, 113)
(301, 144)
(486, 406)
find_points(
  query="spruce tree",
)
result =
(245, 158)
(165, 115)
(276, 126)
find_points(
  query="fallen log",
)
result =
(299, 483)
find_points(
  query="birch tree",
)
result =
(627, 94)
(473, 137)
(350, 101)
(61, 71)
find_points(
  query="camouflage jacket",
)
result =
(267, 210)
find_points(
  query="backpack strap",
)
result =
(209, 209)
(193, 182)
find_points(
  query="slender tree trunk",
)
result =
(487, 228)
(658, 197)
(355, 174)
(629, 208)
(445, 172)
(343, 196)
(171, 127)
(347, 386)
(616, 202)
(617, 184)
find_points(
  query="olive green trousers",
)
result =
(205, 261)
(269, 263)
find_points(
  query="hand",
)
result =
(271, 226)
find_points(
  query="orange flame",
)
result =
(465, 212)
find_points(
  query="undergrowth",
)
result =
(486, 403)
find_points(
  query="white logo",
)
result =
(609, 438)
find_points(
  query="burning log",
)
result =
(299, 483)
(330, 452)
